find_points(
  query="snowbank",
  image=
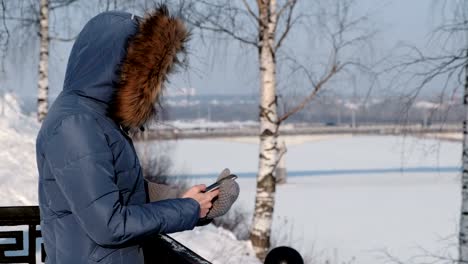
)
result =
(218, 245)
(18, 170)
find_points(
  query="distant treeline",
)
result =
(327, 110)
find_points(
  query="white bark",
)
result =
(281, 172)
(2, 102)
(43, 80)
(265, 196)
(463, 235)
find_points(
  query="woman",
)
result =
(92, 194)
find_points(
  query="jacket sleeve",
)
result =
(82, 163)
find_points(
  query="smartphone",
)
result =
(216, 185)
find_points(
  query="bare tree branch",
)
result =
(63, 39)
(218, 18)
(21, 19)
(221, 29)
(60, 3)
(290, 6)
(6, 39)
(340, 40)
(317, 87)
(249, 9)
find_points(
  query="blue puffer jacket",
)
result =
(91, 190)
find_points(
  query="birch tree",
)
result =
(34, 15)
(446, 64)
(460, 25)
(463, 234)
(43, 81)
(272, 23)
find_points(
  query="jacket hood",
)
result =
(123, 61)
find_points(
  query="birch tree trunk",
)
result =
(463, 235)
(43, 81)
(281, 173)
(268, 152)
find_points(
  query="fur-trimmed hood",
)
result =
(123, 61)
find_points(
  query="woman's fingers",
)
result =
(205, 209)
(194, 191)
(203, 198)
(213, 194)
(203, 212)
(208, 197)
(207, 205)
(200, 187)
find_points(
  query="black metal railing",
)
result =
(20, 216)
(158, 249)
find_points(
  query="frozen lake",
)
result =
(368, 195)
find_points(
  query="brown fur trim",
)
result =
(151, 55)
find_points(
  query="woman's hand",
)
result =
(204, 199)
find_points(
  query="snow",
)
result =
(404, 199)
(18, 170)
(203, 124)
(218, 245)
(427, 105)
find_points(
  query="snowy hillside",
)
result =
(18, 171)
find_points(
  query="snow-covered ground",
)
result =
(217, 245)
(202, 124)
(350, 198)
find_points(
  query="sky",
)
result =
(226, 67)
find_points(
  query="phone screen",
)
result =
(216, 185)
(212, 187)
